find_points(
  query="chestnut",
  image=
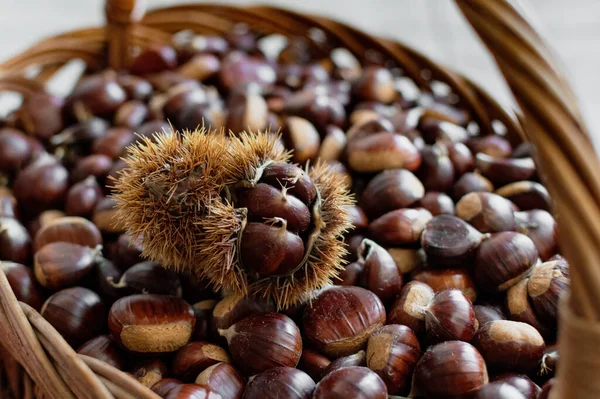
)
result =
(471, 183)
(389, 190)
(103, 217)
(499, 390)
(509, 345)
(436, 171)
(503, 260)
(450, 316)
(381, 151)
(410, 307)
(77, 313)
(407, 259)
(23, 284)
(368, 125)
(380, 273)
(487, 212)
(437, 203)
(313, 363)
(445, 279)
(96, 165)
(224, 379)
(519, 307)
(43, 219)
(263, 341)
(314, 105)
(200, 67)
(97, 94)
(15, 242)
(492, 145)
(41, 185)
(280, 382)
(59, 265)
(502, 171)
(375, 84)
(104, 348)
(164, 386)
(399, 227)
(103, 272)
(151, 323)
(82, 197)
(203, 312)
(80, 136)
(302, 137)
(339, 321)
(351, 382)
(487, 313)
(355, 360)
(42, 115)
(358, 218)
(527, 195)
(194, 358)
(149, 371)
(148, 278)
(73, 229)
(234, 308)
(247, 111)
(131, 114)
(392, 353)
(294, 178)
(545, 286)
(461, 157)
(449, 241)
(192, 391)
(549, 363)
(113, 144)
(452, 369)
(15, 150)
(333, 144)
(541, 227)
(521, 382)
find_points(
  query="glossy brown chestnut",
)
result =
(527, 195)
(23, 284)
(224, 379)
(313, 363)
(503, 260)
(450, 316)
(392, 353)
(73, 229)
(541, 227)
(294, 178)
(234, 308)
(77, 313)
(492, 145)
(60, 265)
(82, 197)
(203, 312)
(151, 323)
(461, 157)
(519, 307)
(449, 241)
(499, 390)
(300, 135)
(148, 278)
(340, 320)
(15, 150)
(103, 217)
(487, 313)
(359, 359)
(97, 94)
(154, 59)
(247, 111)
(104, 348)
(389, 190)
(42, 114)
(200, 67)
(131, 114)
(149, 371)
(509, 345)
(192, 391)
(437, 203)
(410, 307)
(445, 279)
(487, 212)
(280, 382)
(456, 367)
(521, 382)
(546, 285)
(436, 171)
(103, 272)
(351, 382)
(114, 143)
(333, 144)
(381, 151)
(263, 341)
(380, 274)
(195, 357)
(15, 242)
(399, 227)
(164, 386)
(96, 165)
(270, 249)
(502, 171)
(471, 183)
(375, 84)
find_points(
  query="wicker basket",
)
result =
(550, 119)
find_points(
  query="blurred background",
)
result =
(435, 27)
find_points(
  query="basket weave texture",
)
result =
(38, 363)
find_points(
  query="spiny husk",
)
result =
(166, 189)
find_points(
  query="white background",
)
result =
(434, 27)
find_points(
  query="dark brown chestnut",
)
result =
(154, 59)
(148, 278)
(97, 165)
(492, 145)
(437, 203)
(461, 157)
(446, 279)
(15, 150)
(82, 197)
(103, 217)
(487, 313)
(164, 386)
(392, 353)
(351, 382)
(192, 391)
(43, 219)
(410, 307)
(73, 229)
(471, 183)
(294, 178)
(113, 143)
(263, 341)
(449, 241)
(546, 285)
(15, 242)
(399, 227)
(339, 321)
(487, 212)
(521, 382)
(450, 316)
(42, 115)
(149, 371)
(540, 226)
(375, 84)
(77, 313)
(104, 348)
(313, 363)
(234, 308)
(224, 379)
(390, 190)
(380, 273)
(151, 323)
(200, 67)
(195, 357)
(509, 345)
(300, 135)
(503, 260)
(203, 312)
(380, 151)
(502, 171)
(519, 307)
(126, 251)
(131, 114)
(22, 282)
(280, 382)
(97, 94)
(60, 265)
(436, 171)
(456, 367)
(527, 195)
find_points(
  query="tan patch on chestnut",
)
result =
(541, 278)
(378, 351)
(514, 188)
(166, 337)
(417, 301)
(517, 298)
(350, 344)
(503, 331)
(469, 206)
(506, 285)
(150, 378)
(407, 259)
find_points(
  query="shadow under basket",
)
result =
(38, 363)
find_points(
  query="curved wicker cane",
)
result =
(551, 120)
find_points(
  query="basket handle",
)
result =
(571, 170)
(121, 16)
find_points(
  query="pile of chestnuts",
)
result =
(452, 276)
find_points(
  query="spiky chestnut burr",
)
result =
(233, 211)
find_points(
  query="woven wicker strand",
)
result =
(550, 119)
